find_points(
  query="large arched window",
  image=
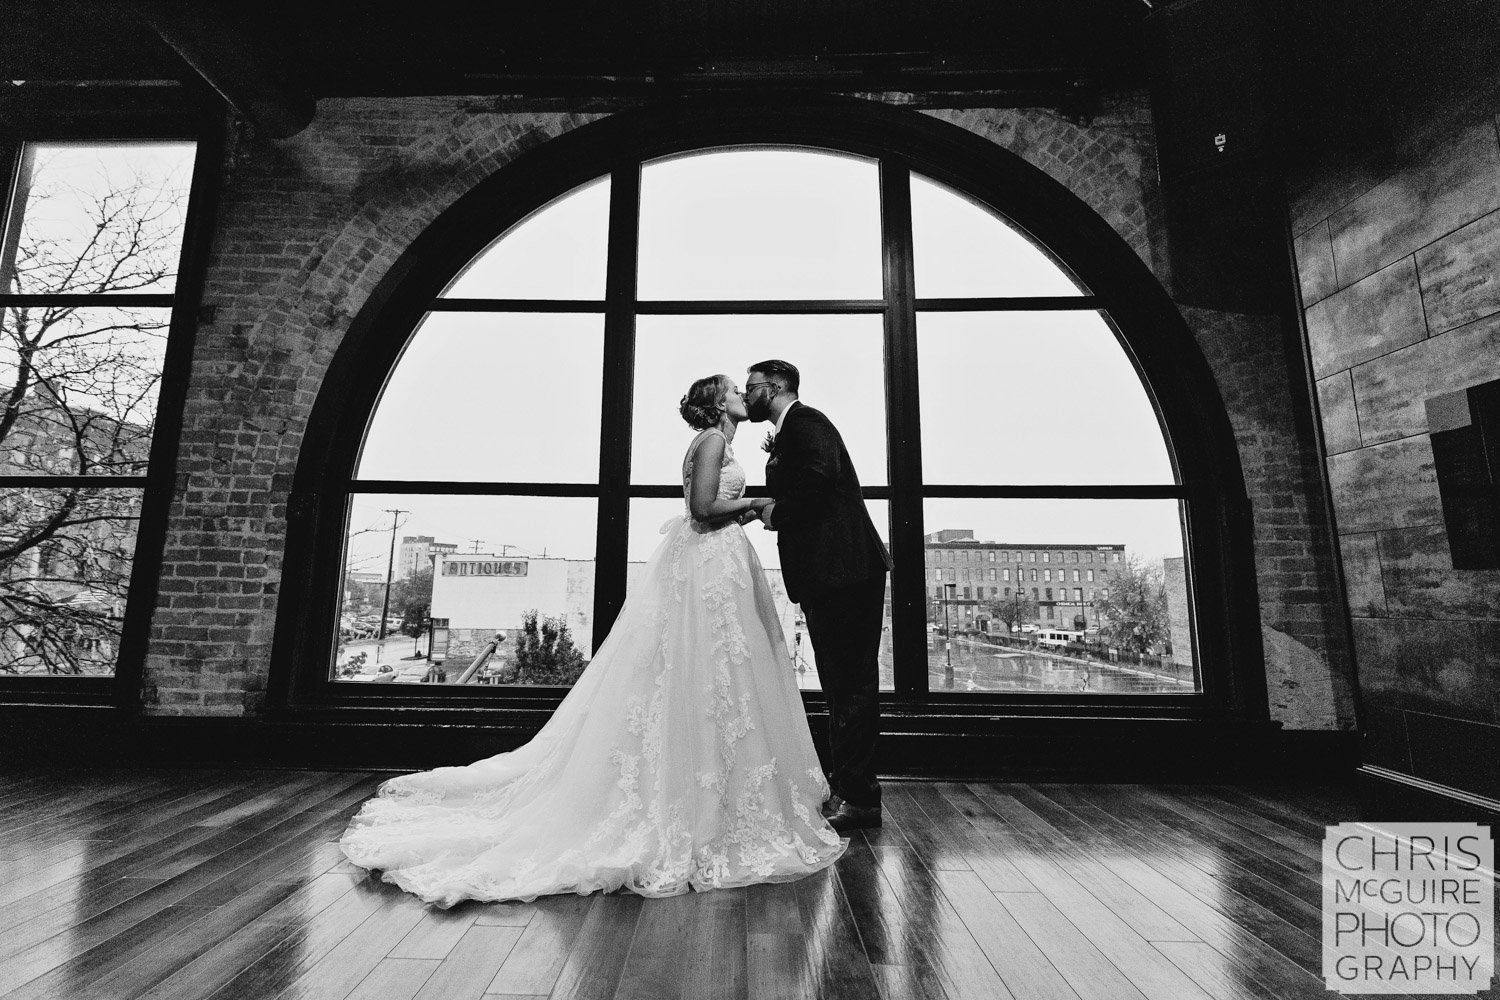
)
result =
(522, 445)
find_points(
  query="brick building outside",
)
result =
(1063, 579)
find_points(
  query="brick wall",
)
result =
(308, 226)
(1398, 250)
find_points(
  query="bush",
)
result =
(545, 653)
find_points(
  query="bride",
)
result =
(680, 759)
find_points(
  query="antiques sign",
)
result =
(494, 567)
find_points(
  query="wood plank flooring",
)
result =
(187, 884)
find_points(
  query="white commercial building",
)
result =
(476, 595)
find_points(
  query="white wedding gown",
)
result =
(681, 758)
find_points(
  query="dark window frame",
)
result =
(1209, 486)
(109, 116)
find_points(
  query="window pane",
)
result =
(64, 575)
(98, 217)
(557, 252)
(964, 250)
(1138, 641)
(839, 357)
(497, 397)
(1022, 364)
(478, 567)
(649, 516)
(760, 223)
(89, 380)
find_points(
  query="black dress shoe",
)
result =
(852, 817)
(831, 806)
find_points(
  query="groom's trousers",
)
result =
(845, 626)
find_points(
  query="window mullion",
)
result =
(904, 436)
(14, 159)
(618, 403)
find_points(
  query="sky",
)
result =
(72, 175)
(1021, 398)
(67, 178)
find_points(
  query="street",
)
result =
(977, 666)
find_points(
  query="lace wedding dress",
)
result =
(681, 758)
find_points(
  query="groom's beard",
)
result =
(758, 411)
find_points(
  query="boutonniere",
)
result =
(769, 444)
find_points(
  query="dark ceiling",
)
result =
(584, 48)
(1318, 68)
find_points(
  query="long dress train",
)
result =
(681, 758)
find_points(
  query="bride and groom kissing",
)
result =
(681, 758)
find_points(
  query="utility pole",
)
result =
(390, 565)
(476, 542)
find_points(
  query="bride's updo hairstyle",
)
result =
(700, 407)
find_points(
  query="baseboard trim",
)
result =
(1019, 748)
(1395, 797)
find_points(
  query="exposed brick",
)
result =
(307, 227)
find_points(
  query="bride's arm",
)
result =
(703, 499)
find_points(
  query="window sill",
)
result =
(60, 691)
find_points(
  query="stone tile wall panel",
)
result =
(1315, 271)
(1392, 392)
(1362, 579)
(1339, 414)
(1420, 581)
(1380, 314)
(1458, 181)
(1389, 486)
(1460, 275)
(1439, 667)
(1426, 636)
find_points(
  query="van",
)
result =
(1057, 638)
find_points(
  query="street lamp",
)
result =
(1016, 607)
(949, 589)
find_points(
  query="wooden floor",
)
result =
(186, 884)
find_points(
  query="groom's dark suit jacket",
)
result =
(823, 531)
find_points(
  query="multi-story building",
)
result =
(1063, 579)
(417, 553)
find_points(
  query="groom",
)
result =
(834, 565)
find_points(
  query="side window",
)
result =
(87, 223)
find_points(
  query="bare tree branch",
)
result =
(78, 387)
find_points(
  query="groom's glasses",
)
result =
(755, 385)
